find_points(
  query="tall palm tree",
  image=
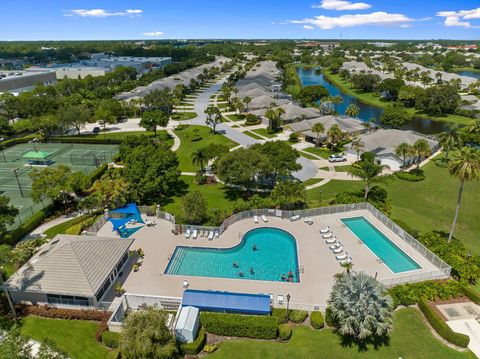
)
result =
(318, 129)
(352, 110)
(369, 172)
(358, 146)
(348, 266)
(335, 135)
(200, 158)
(450, 139)
(246, 101)
(404, 150)
(421, 149)
(465, 165)
(271, 115)
(360, 306)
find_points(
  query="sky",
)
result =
(239, 19)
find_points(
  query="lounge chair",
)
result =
(331, 240)
(349, 260)
(280, 299)
(308, 221)
(341, 257)
(185, 284)
(325, 230)
(338, 250)
(210, 235)
(255, 219)
(264, 218)
(217, 234)
(187, 233)
(334, 246)
(295, 218)
(328, 235)
(195, 234)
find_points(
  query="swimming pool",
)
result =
(395, 259)
(263, 254)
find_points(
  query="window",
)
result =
(67, 300)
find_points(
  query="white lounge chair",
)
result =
(217, 234)
(187, 233)
(255, 219)
(308, 221)
(335, 246)
(295, 218)
(328, 235)
(195, 234)
(280, 299)
(349, 260)
(325, 230)
(338, 250)
(264, 218)
(341, 257)
(210, 235)
(185, 284)
(331, 240)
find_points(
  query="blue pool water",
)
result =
(275, 254)
(380, 245)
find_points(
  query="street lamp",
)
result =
(288, 304)
(18, 182)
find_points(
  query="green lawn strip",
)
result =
(345, 168)
(189, 145)
(374, 100)
(307, 156)
(264, 132)
(75, 337)
(253, 135)
(222, 106)
(235, 117)
(322, 152)
(311, 181)
(182, 116)
(410, 339)
(61, 228)
(119, 136)
(321, 196)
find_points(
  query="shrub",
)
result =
(471, 293)
(236, 325)
(293, 137)
(441, 327)
(27, 226)
(197, 345)
(297, 316)
(75, 230)
(440, 162)
(280, 314)
(316, 320)
(210, 348)
(70, 314)
(15, 141)
(111, 339)
(284, 331)
(412, 176)
(328, 317)
(411, 293)
(98, 173)
(102, 328)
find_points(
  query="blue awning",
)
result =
(130, 208)
(214, 301)
(127, 213)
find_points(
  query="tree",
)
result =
(439, 100)
(309, 95)
(352, 110)
(110, 193)
(335, 135)
(213, 117)
(274, 118)
(390, 88)
(289, 195)
(404, 150)
(247, 100)
(421, 149)
(408, 95)
(15, 345)
(239, 167)
(53, 183)
(395, 116)
(450, 139)
(194, 208)
(200, 158)
(465, 166)
(366, 82)
(318, 129)
(145, 335)
(104, 115)
(360, 306)
(358, 146)
(7, 214)
(151, 119)
(160, 99)
(152, 170)
(76, 116)
(368, 171)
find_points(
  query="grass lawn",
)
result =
(253, 135)
(306, 155)
(222, 106)
(345, 168)
(409, 339)
(75, 337)
(182, 116)
(321, 196)
(190, 144)
(60, 228)
(236, 117)
(264, 132)
(311, 181)
(322, 152)
(371, 99)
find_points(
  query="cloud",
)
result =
(341, 5)
(376, 18)
(153, 33)
(102, 13)
(458, 18)
(308, 27)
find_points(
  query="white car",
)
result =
(337, 158)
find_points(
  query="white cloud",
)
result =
(102, 13)
(376, 18)
(153, 33)
(457, 18)
(308, 27)
(341, 5)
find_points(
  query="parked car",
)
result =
(96, 130)
(337, 158)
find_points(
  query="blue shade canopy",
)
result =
(129, 212)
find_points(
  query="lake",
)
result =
(470, 74)
(308, 77)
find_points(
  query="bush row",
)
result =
(16, 141)
(27, 226)
(411, 293)
(295, 316)
(472, 294)
(441, 327)
(87, 140)
(316, 320)
(111, 339)
(50, 312)
(284, 331)
(328, 317)
(236, 325)
(197, 345)
(412, 176)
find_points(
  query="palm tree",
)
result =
(450, 139)
(246, 101)
(358, 146)
(348, 266)
(404, 150)
(360, 306)
(352, 110)
(318, 129)
(465, 165)
(335, 135)
(421, 149)
(368, 172)
(271, 115)
(200, 158)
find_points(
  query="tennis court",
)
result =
(18, 161)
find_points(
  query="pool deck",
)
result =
(314, 257)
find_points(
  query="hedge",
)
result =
(75, 230)
(27, 226)
(88, 140)
(111, 339)
(237, 325)
(316, 320)
(284, 331)
(471, 293)
(280, 314)
(98, 173)
(58, 313)
(297, 316)
(16, 141)
(328, 317)
(411, 293)
(441, 327)
(410, 176)
(196, 346)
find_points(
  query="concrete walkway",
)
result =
(176, 140)
(38, 232)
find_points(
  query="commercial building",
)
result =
(20, 81)
(141, 64)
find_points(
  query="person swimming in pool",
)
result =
(251, 271)
(235, 265)
(283, 277)
(254, 247)
(240, 274)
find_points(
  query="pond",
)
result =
(308, 77)
(470, 74)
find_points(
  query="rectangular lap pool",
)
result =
(380, 245)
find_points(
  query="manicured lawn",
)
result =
(311, 181)
(322, 196)
(264, 132)
(61, 228)
(409, 339)
(306, 155)
(322, 152)
(343, 168)
(190, 144)
(75, 337)
(123, 135)
(252, 135)
(182, 116)
(236, 117)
